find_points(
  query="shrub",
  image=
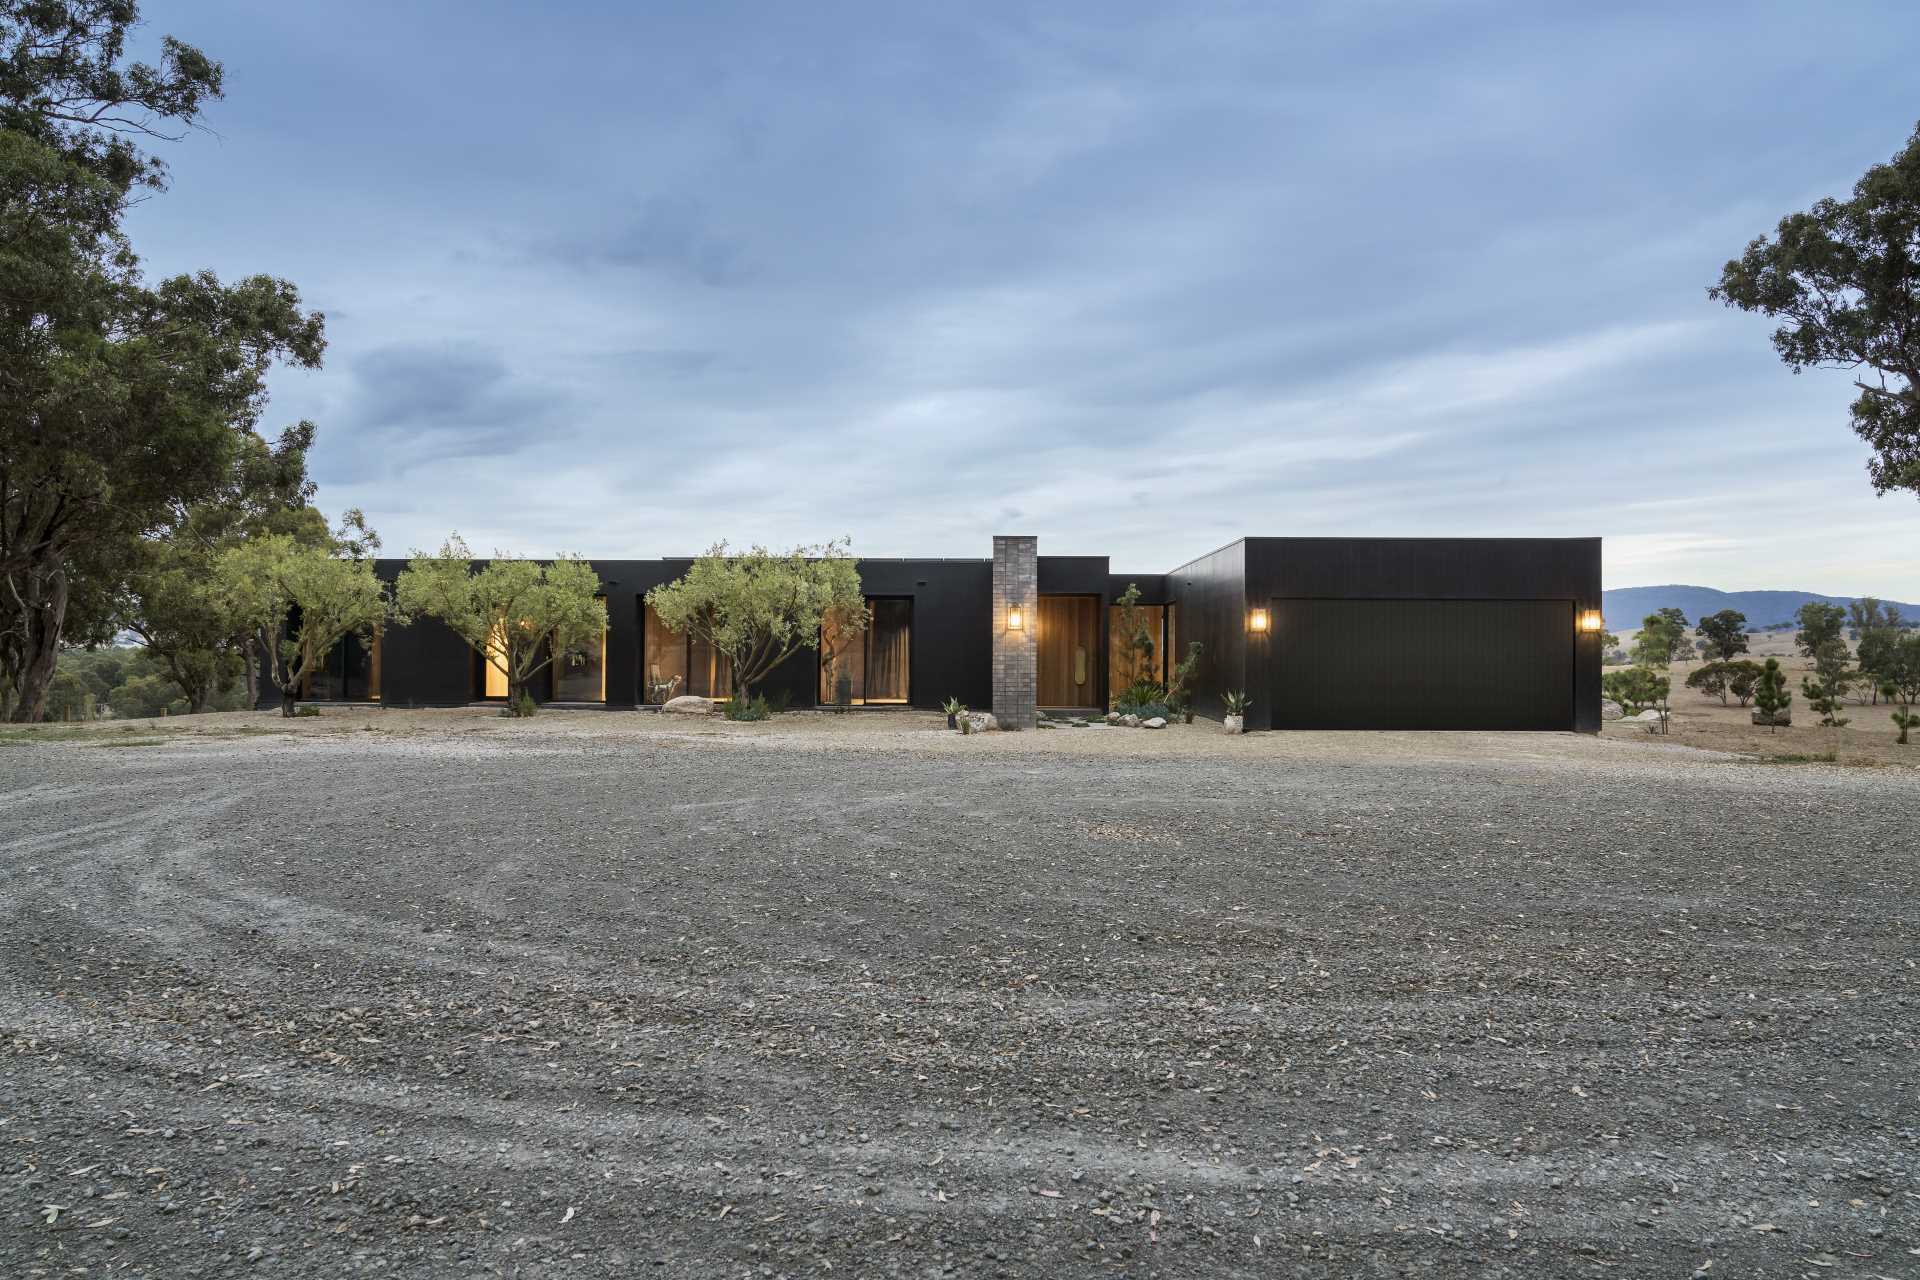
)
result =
(1635, 689)
(754, 708)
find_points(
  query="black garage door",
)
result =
(1422, 664)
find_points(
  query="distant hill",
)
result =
(1626, 606)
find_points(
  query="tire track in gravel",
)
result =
(414, 1005)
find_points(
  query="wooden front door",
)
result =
(1069, 651)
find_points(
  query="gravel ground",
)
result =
(428, 994)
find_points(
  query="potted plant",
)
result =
(1237, 703)
(953, 710)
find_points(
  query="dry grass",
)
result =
(1700, 721)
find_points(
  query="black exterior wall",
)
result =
(425, 664)
(1216, 592)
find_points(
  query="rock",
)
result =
(1783, 717)
(1610, 710)
(982, 721)
(1131, 721)
(1155, 723)
(1648, 714)
(1045, 723)
(1077, 723)
(689, 704)
(1113, 717)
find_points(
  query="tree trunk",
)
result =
(252, 670)
(46, 615)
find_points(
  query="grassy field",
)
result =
(1700, 721)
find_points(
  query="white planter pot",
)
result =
(1234, 724)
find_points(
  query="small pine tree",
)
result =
(1905, 718)
(1824, 696)
(1770, 696)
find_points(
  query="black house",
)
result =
(1321, 633)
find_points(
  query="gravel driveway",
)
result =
(539, 1000)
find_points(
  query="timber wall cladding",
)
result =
(1069, 643)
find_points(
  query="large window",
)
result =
(672, 664)
(869, 668)
(493, 666)
(580, 673)
(351, 672)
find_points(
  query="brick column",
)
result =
(1016, 656)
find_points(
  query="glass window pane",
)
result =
(889, 656)
(843, 665)
(580, 673)
(495, 663)
(663, 660)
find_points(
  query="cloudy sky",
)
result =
(1135, 277)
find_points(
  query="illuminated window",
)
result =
(672, 664)
(495, 662)
(869, 668)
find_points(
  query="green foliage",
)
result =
(1662, 637)
(1770, 695)
(301, 600)
(743, 708)
(1825, 697)
(1821, 628)
(1899, 670)
(1868, 614)
(1236, 702)
(1904, 719)
(1180, 680)
(1130, 626)
(121, 402)
(1718, 679)
(1843, 279)
(147, 695)
(516, 614)
(1725, 633)
(759, 608)
(952, 706)
(1636, 688)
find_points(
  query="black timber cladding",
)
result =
(1216, 592)
(425, 664)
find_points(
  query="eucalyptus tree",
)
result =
(758, 607)
(516, 614)
(121, 401)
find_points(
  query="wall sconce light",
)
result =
(1257, 620)
(1016, 618)
(1592, 622)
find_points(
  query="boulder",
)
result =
(1046, 722)
(1610, 710)
(688, 704)
(1077, 723)
(981, 721)
(1783, 717)
(1649, 714)
(1131, 721)
(1156, 723)
(1113, 717)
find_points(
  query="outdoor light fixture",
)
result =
(1591, 621)
(1256, 619)
(1015, 618)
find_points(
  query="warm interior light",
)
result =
(1256, 620)
(1015, 618)
(1592, 621)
